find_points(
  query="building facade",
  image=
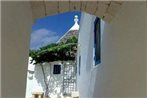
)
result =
(60, 82)
(121, 70)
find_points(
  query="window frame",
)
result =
(97, 41)
(79, 71)
(54, 70)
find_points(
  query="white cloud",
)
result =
(42, 37)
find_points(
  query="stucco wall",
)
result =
(122, 73)
(85, 51)
(122, 69)
(35, 81)
(16, 28)
(35, 78)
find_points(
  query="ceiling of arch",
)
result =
(105, 10)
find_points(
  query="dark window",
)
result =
(57, 69)
(79, 64)
(97, 41)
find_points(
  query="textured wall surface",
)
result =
(85, 50)
(36, 81)
(103, 9)
(35, 78)
(122, 70)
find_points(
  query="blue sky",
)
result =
(49, 29)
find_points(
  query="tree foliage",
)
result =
(56, 51)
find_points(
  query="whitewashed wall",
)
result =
(122, 70)
(35, 81)
(85, 49)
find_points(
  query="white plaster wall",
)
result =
(123, 64)
(36, 82)
(85, 50)
(16, 21)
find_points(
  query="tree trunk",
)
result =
(45, 81)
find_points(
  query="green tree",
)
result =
(54, 52)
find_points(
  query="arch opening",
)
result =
(55, 31)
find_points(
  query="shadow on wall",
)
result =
(38, 75)
(54, 81)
